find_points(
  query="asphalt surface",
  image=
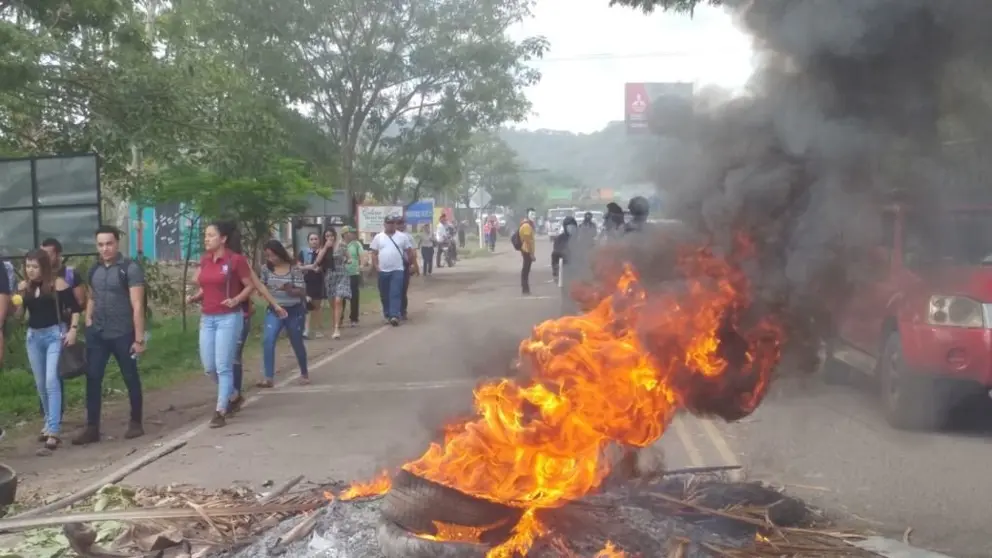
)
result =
(377, 401)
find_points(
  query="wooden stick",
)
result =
(114, 478)
(20, 524)
(286, 487)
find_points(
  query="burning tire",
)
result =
(420, 506)
(396, 542)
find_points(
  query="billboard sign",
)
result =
(420, 213)
(371, 217)
(338, 205)
(643, 101)
(51, 196)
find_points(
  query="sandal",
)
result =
(52, 443)
(303, 381)
(265, 384)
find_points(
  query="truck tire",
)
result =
(910, 401)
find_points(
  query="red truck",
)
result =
(921, 327)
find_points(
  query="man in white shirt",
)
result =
(391, 252)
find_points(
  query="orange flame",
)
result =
(375, 487)
(616, 374)
(611, 551)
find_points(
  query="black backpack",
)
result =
(516, 241)
(122, 266)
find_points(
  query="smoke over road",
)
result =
(850, 101)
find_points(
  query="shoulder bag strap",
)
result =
(402, 254)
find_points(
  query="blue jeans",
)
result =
(391, 293)
(44, 348)
(219, 338)
(273, 326)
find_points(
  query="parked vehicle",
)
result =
(921, 328)
(554, 219)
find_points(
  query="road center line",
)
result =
(722, 447)
(372, 387)
(682, 433)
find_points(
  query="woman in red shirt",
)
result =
(226, 284)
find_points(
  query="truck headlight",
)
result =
(955, 311)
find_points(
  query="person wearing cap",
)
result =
(356, 255)
(390, 254)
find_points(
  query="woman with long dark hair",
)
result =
(53, 321)
(336, 281)
(226, 283)
(313, 275)
(284, 279)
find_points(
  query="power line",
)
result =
(619, 56)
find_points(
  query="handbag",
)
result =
(72, 358)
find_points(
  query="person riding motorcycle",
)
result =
(445, 237)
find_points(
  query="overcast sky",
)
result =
(595, 49)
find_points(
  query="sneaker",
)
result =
(218, 420)
(394, 322)
(354, 324)
(336, 334)
(134, 430)
(318, 335)
(306, 335)
(88, 435)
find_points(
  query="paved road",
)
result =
(376, 402)
(830, 445)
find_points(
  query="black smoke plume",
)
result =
(854, 103)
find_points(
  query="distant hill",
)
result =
(608, 158)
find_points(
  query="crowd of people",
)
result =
(326, 277)
(576, 239)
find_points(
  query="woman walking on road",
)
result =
(286, 283)
(225, 281)
(313, 276)
(48, 300)
(337, 283)
(425, 241)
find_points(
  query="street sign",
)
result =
(420, 213)
(480, 199)
(642, 100)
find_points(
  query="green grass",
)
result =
(172, 356)
(470, 252)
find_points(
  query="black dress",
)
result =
(314, 280)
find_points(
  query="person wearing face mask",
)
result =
(527, 249)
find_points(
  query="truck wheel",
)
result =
(832, 371)
(911, 402)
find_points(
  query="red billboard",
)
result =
(640, 98)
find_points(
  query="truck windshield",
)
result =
(958, 238)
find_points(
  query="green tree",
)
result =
(679, 6)
(376, 73)
(490, 166)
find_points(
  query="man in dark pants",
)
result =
(407, 268)
(527, 249)
(115, 326)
